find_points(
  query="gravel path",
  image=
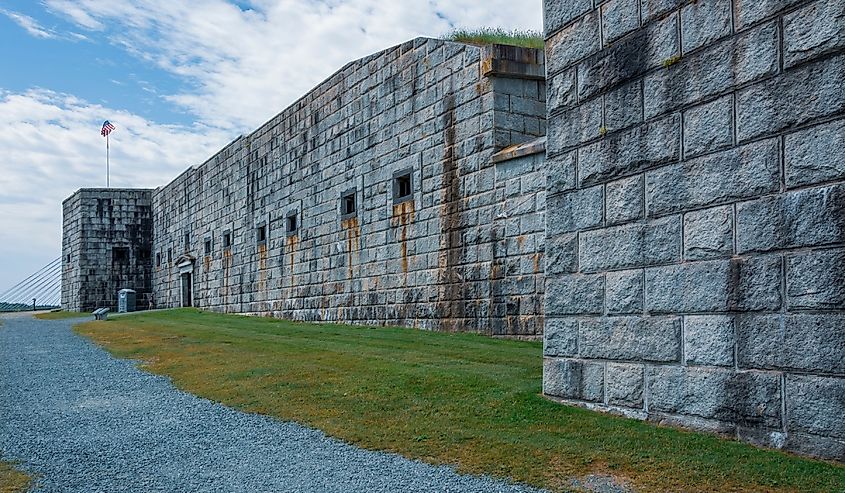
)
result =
(84, 421)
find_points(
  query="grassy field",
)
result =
(487, 35)
(12, 480)
(458, 399)
(61, 315)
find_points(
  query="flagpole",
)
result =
(107, 161)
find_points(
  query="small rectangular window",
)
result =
(348, 207)
(403, 186)
(291, 224)
(158, 259)
(169, 255)
(68, 258)
(187, 241)
(227, 240)
(208, 246)
(261, 234)
(120, 254)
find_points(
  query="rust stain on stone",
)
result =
(450, 306)
(262, 267)
(353, 241)
(291, 244)
(403, 216)
(537, 257)
(227, 268)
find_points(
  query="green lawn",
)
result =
(460, 399)
(61, 315)
(12, 480)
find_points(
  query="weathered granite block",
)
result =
(625, 385)
(624, 291)
(815, 155)
(745, 398)
(573, 43)
(709, 340)
(798, 97)
(561, 254)
(814, 405)
(748, 12)
(811, 342)
(704, 22)
(619, 17)
(573, 379)
(625, 200)
(623, 107)
(738, 60)
(810, 217)
(816, 280)
(630, 151)
(561, 92)
(652, 9)
(631, 338)
(715, 286)
(731, 175)
(575, 126)
(561, 337)
(574, 294)
(708, 127)
(561, 173)
(812, 31)
(559, 13)
(575, 210)
(708, 233)
(631, 245)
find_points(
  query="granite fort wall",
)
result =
(464, 252)
(696, 215)
(106, 246)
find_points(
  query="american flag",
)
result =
(107, 128)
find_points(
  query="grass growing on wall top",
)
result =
(460, 399)
(488, 35)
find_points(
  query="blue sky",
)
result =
(179, 79)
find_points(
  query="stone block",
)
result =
(709, 340)
(623, 107)
(814, 405)
(631, 338)
(798, 97)
(561, 254)
(625, 200)
(619, 17)
(628, 58)
(724, 177)
(559, 13)
(815, 155)
(748, 12)
(575, 126)
(561, 173)
(560, 337)
(631, 245)
(574, 42)
(573, 379)
(812, 31)
(708, 233)
(708, 127)
(574, 210)
(704, 22)
(625, 385)
(804, 342)
(715, 286)
(624, 291)
(809, 217)
(744, 398)
(744, 58)
(653, 9)
(574, 294)
(816, 280)
(630, 151)
(561, 91)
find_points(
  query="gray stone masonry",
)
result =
(695, 231)
(261, 226)
(106, 247)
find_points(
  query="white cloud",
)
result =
(51, 146)
(246, 65)
(29, 24)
